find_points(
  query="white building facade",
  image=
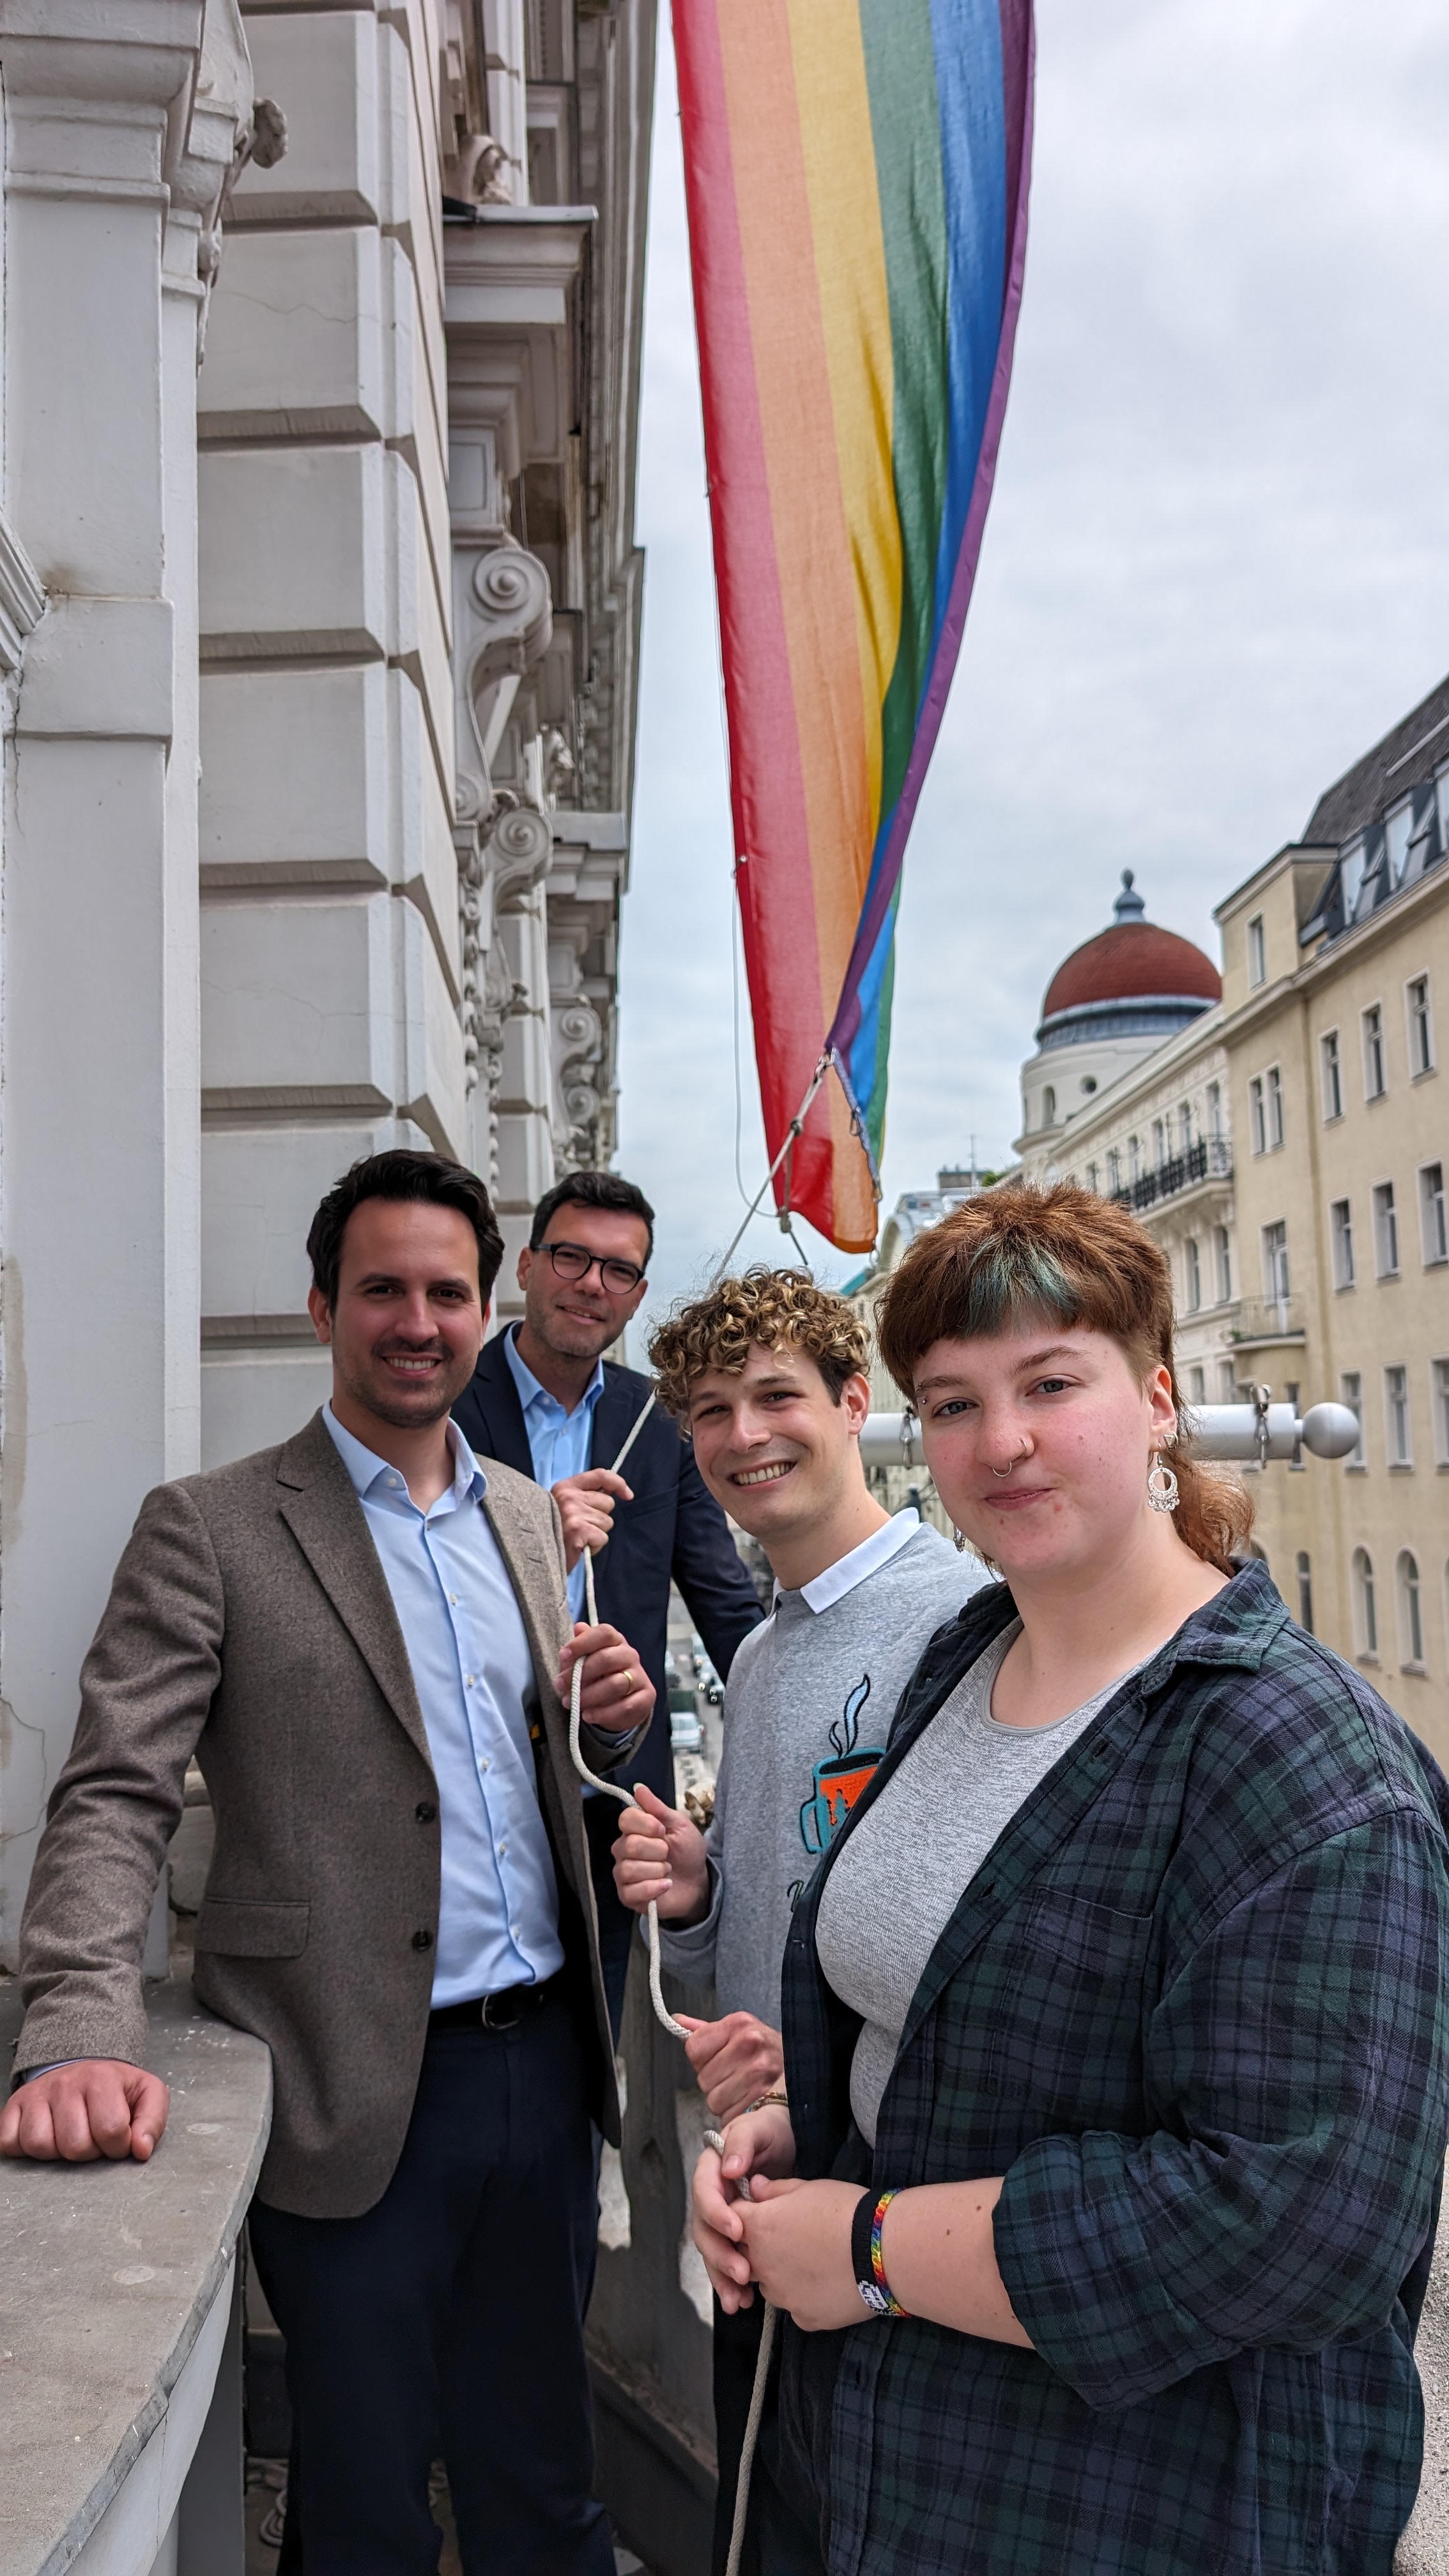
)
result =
(319, 618)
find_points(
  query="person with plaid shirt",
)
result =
(1103, 2244)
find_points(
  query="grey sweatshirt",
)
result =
(807, 1711)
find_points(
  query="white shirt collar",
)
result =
(872, 1553)
(366, 1469)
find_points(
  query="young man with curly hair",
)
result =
(768, 1375)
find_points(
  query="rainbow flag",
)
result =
(857, 183)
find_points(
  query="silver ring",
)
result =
(1011, 1462)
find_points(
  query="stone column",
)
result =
(99, 1227)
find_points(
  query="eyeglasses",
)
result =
(574, 1261)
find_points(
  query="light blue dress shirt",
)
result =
(558, 1442)
(464, 1633)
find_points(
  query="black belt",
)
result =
(501, 2011)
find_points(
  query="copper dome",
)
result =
(1132, 965)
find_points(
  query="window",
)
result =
(1431, 1214)
(1411, 1615)
(1265, 1110)
(1421, 1028)
(1305, 1591)
(1332, 1072)
(1134, 1158)
(1365, 1610)
(1184, 1127)
(1223, 1263)
(1294, 1393)
(1159, 1144)
(1049, 1107)
(1257, 951)
(1386, 1231)
(1375, 1083)
(1227, 1382)
(1340, 1226)
(1196, 1386)
(1192, 1273)
(1350, 1392)
(1351, 867)
(1397, 828)
(1094, 1179)
(1275, 1262)
(1396, 1416)
(1114, 1171)
(1215, 1109)
(1439, 1380)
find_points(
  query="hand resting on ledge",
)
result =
(96, 2106)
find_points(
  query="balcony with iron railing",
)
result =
(1268, 1319)
(1209, 1159)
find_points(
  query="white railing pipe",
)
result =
(1259, 1431)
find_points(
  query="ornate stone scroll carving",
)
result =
(503, 624)
(495, 874)
(579, 1046)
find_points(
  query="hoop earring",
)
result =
(1161, 1487)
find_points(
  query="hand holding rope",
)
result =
(712, 2137)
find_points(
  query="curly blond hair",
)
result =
(761, 1310)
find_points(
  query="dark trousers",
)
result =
(448, 2321)
(781, 2538)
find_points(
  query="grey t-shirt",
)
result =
(807, 1712)
(901, 1876)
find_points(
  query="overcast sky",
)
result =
(1216, 566)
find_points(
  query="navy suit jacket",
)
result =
(673, 1528)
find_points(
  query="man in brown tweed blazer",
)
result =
(363, 1637)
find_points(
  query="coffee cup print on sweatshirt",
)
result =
(840, 1780)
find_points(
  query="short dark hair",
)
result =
(402, 1175)
(594, 1190)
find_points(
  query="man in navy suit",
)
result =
(544, 1400)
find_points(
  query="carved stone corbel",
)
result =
(213, 131)
(517, 854)
(495, 874)
(503, 623)
(578, 1034)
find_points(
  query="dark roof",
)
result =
(1410, 753)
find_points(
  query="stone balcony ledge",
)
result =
(120, 2341)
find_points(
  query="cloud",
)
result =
(1214, 570)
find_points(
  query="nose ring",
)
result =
(1011, 1462)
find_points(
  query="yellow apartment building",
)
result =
(1286, 1139)
(1335, 964)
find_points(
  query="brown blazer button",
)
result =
(425, 1811)
(422, 1940)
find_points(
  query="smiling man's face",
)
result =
(772, 1444)
(407, 1326)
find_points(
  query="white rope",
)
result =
(676, 2030)
(625, 1796)
(792, 1131)
(753, 2420)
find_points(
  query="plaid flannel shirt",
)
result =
(1193, 2007)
